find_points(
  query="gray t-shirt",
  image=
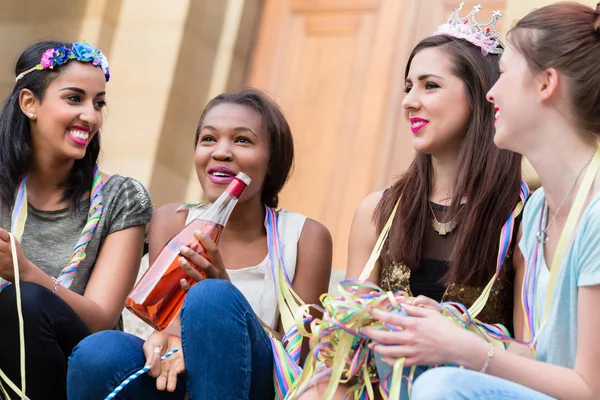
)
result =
(50, 236)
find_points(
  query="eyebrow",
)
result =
(236, 129)
(425, 76)
(78, 90)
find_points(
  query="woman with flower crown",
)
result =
(454, 200)
(78, 233)
(548, 109)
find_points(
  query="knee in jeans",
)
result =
(436, 383)
(33, 298)
(98, 352)
(210, 295)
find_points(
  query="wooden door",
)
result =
(336, 67)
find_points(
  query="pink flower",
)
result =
(47, 58)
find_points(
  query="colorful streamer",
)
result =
(337, 343)
(533, 323)
(19, 216)
(139, 373)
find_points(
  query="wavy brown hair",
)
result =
(488, 177)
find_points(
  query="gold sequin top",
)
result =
(426, 280)
(498, 309)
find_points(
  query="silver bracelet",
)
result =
(55, 284)
(488, 359)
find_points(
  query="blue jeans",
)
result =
(227, 353)
(451, 383)
(52, 330)
(384, 371)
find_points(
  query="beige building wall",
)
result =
(24, 22)
(517, 9)
(166, 58)
(169, 57)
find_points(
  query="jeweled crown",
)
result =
(482, 35)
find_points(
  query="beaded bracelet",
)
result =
(55, 285)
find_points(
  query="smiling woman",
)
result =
(232, 322)
(75, 101)
(457, 194)
(80, 232)
(227, 129)
(255, 114)
(547, 109)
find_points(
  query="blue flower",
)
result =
(103, 63)
(61, 55)
(84, 52)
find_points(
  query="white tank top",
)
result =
(257, 283)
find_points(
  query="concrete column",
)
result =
(143, 58)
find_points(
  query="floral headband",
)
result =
(83, 52)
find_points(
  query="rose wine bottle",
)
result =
(158, 296)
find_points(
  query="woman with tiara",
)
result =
(547, 109)
(454, 200)
(78, 233)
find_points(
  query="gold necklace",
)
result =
(443, 228)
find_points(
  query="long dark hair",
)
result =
(488, 177)
(16, 152)
(281, 157)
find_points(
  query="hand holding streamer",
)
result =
(336, 340)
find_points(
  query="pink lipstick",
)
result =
(416, 124)
(221, 175)
(80, 135)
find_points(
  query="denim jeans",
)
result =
(52, 329)
(451, 383)
(227, 353)
(384, 371)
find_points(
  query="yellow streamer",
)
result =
(567, 234)
(339, 354)
(20, 393)
(378, 246)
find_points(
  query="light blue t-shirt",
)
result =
(557, 341)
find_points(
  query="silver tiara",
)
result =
(483, 35)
